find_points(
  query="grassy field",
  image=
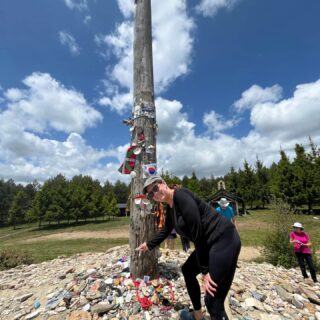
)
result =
(49, 249)
(252, 228)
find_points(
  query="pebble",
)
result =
(97, 286)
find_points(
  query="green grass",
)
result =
(51, 249)
(28, 231)
(253, 229)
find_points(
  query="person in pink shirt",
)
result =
(301, 246)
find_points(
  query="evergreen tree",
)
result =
(185, 181)
(248, 184)
(51, 201)
(57, 192)
(112, 205)
(39, 206)
(108, 187)
(272, 172)
(315, 160)
(304, 189)
(206, 187)
(96, 199)
(7, 191)
(18, 208)
(77, 196)
(170, 179)
(263, 193)
(283, 179)
(193, 184)
(121, 191)
(232, 180)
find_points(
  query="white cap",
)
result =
(298, 225)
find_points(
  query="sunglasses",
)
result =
(153, 191)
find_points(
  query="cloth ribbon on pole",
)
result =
(128, 165)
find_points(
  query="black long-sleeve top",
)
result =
(196, 220)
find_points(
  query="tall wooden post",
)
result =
(142, 225)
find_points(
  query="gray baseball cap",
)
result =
(150, 181)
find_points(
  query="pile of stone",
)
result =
(94, 286)
(264, 292)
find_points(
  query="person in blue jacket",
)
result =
(216, 241)
(226, 210)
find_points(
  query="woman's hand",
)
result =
(143, 247)
(209, 286)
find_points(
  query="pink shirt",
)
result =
(302, 237)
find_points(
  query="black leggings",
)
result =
(223, 257)
(306, 257)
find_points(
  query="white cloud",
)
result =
(181, 151)
(24, 156)
(293, 118)
(87, 19)
(28, 118)
(126, 7)
(69, 41)
(275, 126)
(172, 47)
(209, 8)
(118, 102)
(173, 42)
(173, 124)
(121, 44)
(256, 94)
(47, 104)
(216, 122)
(80, 5)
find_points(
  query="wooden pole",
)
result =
(142, 226)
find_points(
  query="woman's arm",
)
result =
(191, 215)
(293, 240)
(160, 236)
(308, 242)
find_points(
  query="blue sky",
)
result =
(234, 80)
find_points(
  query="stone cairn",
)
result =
(92, 286)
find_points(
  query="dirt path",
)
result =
(111, 234)
(246, 254)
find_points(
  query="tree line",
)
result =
(59, 199)
(297, 182)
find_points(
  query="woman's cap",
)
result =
(150, 181)
(298, 225)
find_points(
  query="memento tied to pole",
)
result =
(143, 143)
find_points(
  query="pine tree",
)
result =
(193, 184)
(111, 204)
(283, 179)
(263, 192)
(248, 184)
(304, 178)
(232, 180)
(121, 191)
(18, 208)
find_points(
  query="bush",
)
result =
(10, 258)
(277, 249)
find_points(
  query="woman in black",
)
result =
(217, 246)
